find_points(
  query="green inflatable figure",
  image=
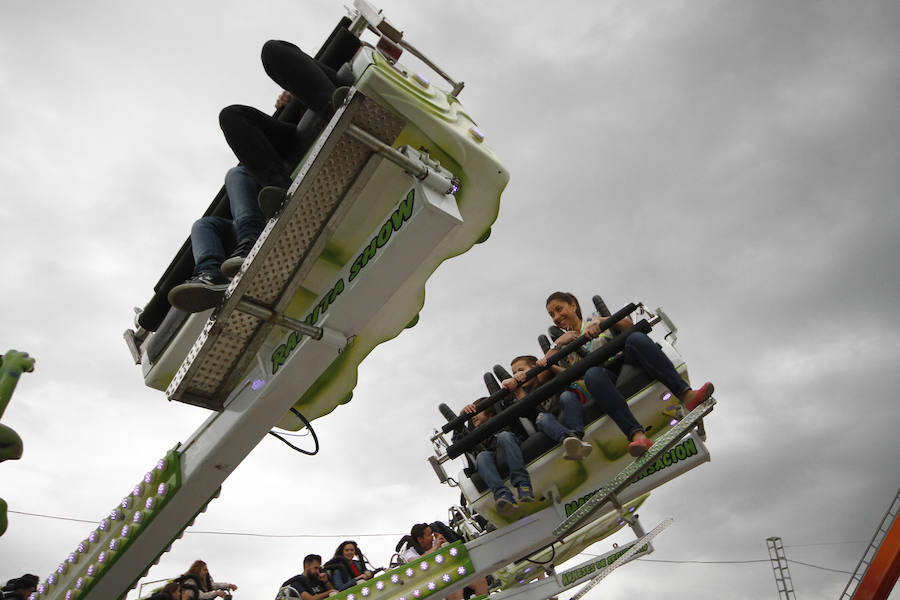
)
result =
(12, 365)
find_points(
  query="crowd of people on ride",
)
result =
(561, 416)
(319, 579)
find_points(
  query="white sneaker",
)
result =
(575, 449)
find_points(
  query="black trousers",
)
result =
(268, 147)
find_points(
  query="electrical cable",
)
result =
(311, 431)
(548, 561)
(553, 547)
(741, 562)
(238, 533)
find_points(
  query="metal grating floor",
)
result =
(282, 254)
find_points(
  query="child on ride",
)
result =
(565, 312)
(486, 462)
(568, 428)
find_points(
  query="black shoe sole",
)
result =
(271, 200)
(231, 266)
(196, 297)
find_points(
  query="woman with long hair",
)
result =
(565, 312)
(348, 566)
(198, 582)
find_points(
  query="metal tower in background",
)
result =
(780, 567)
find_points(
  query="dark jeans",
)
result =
(601, 386)
(270, 148)
(640, 350)
(571, 420)
(486, 463)
(213, 237)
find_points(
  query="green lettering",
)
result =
(292, 341)
(355, 268)
(369, 251)
(690, 447)
(385, 234)
(680, 452)
(667, 459)
(278, 357)
(404, 211)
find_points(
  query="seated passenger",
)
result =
(507, 443)
(312, 584)
(220, 245)
(170, 591)
(268, 147)
(565, 312)
(20, 588)
(346, 569)
(426, 541)
(567, 428)
(201, 585)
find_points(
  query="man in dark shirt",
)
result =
(312, 584)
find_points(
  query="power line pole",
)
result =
(780, 567)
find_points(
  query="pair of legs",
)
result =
(270, 148)
(213, 238)
(486, 464)
(568, 429)
(642, 351)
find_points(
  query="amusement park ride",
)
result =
(398, 181)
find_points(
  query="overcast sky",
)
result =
(737, 163)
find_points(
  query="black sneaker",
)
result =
(271, 200)
(200, 292)
(233, 263)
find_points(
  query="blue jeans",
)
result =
(486, 463)
(600, 384)
(572, 415)
(640, 350)
(211, 235)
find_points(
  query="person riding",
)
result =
(312, 584)
(270, 148)
(426, 541)
(560, 417)
(565, 312)
(347, 567)
(508, 444)
(198, 580)
(220, 245)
